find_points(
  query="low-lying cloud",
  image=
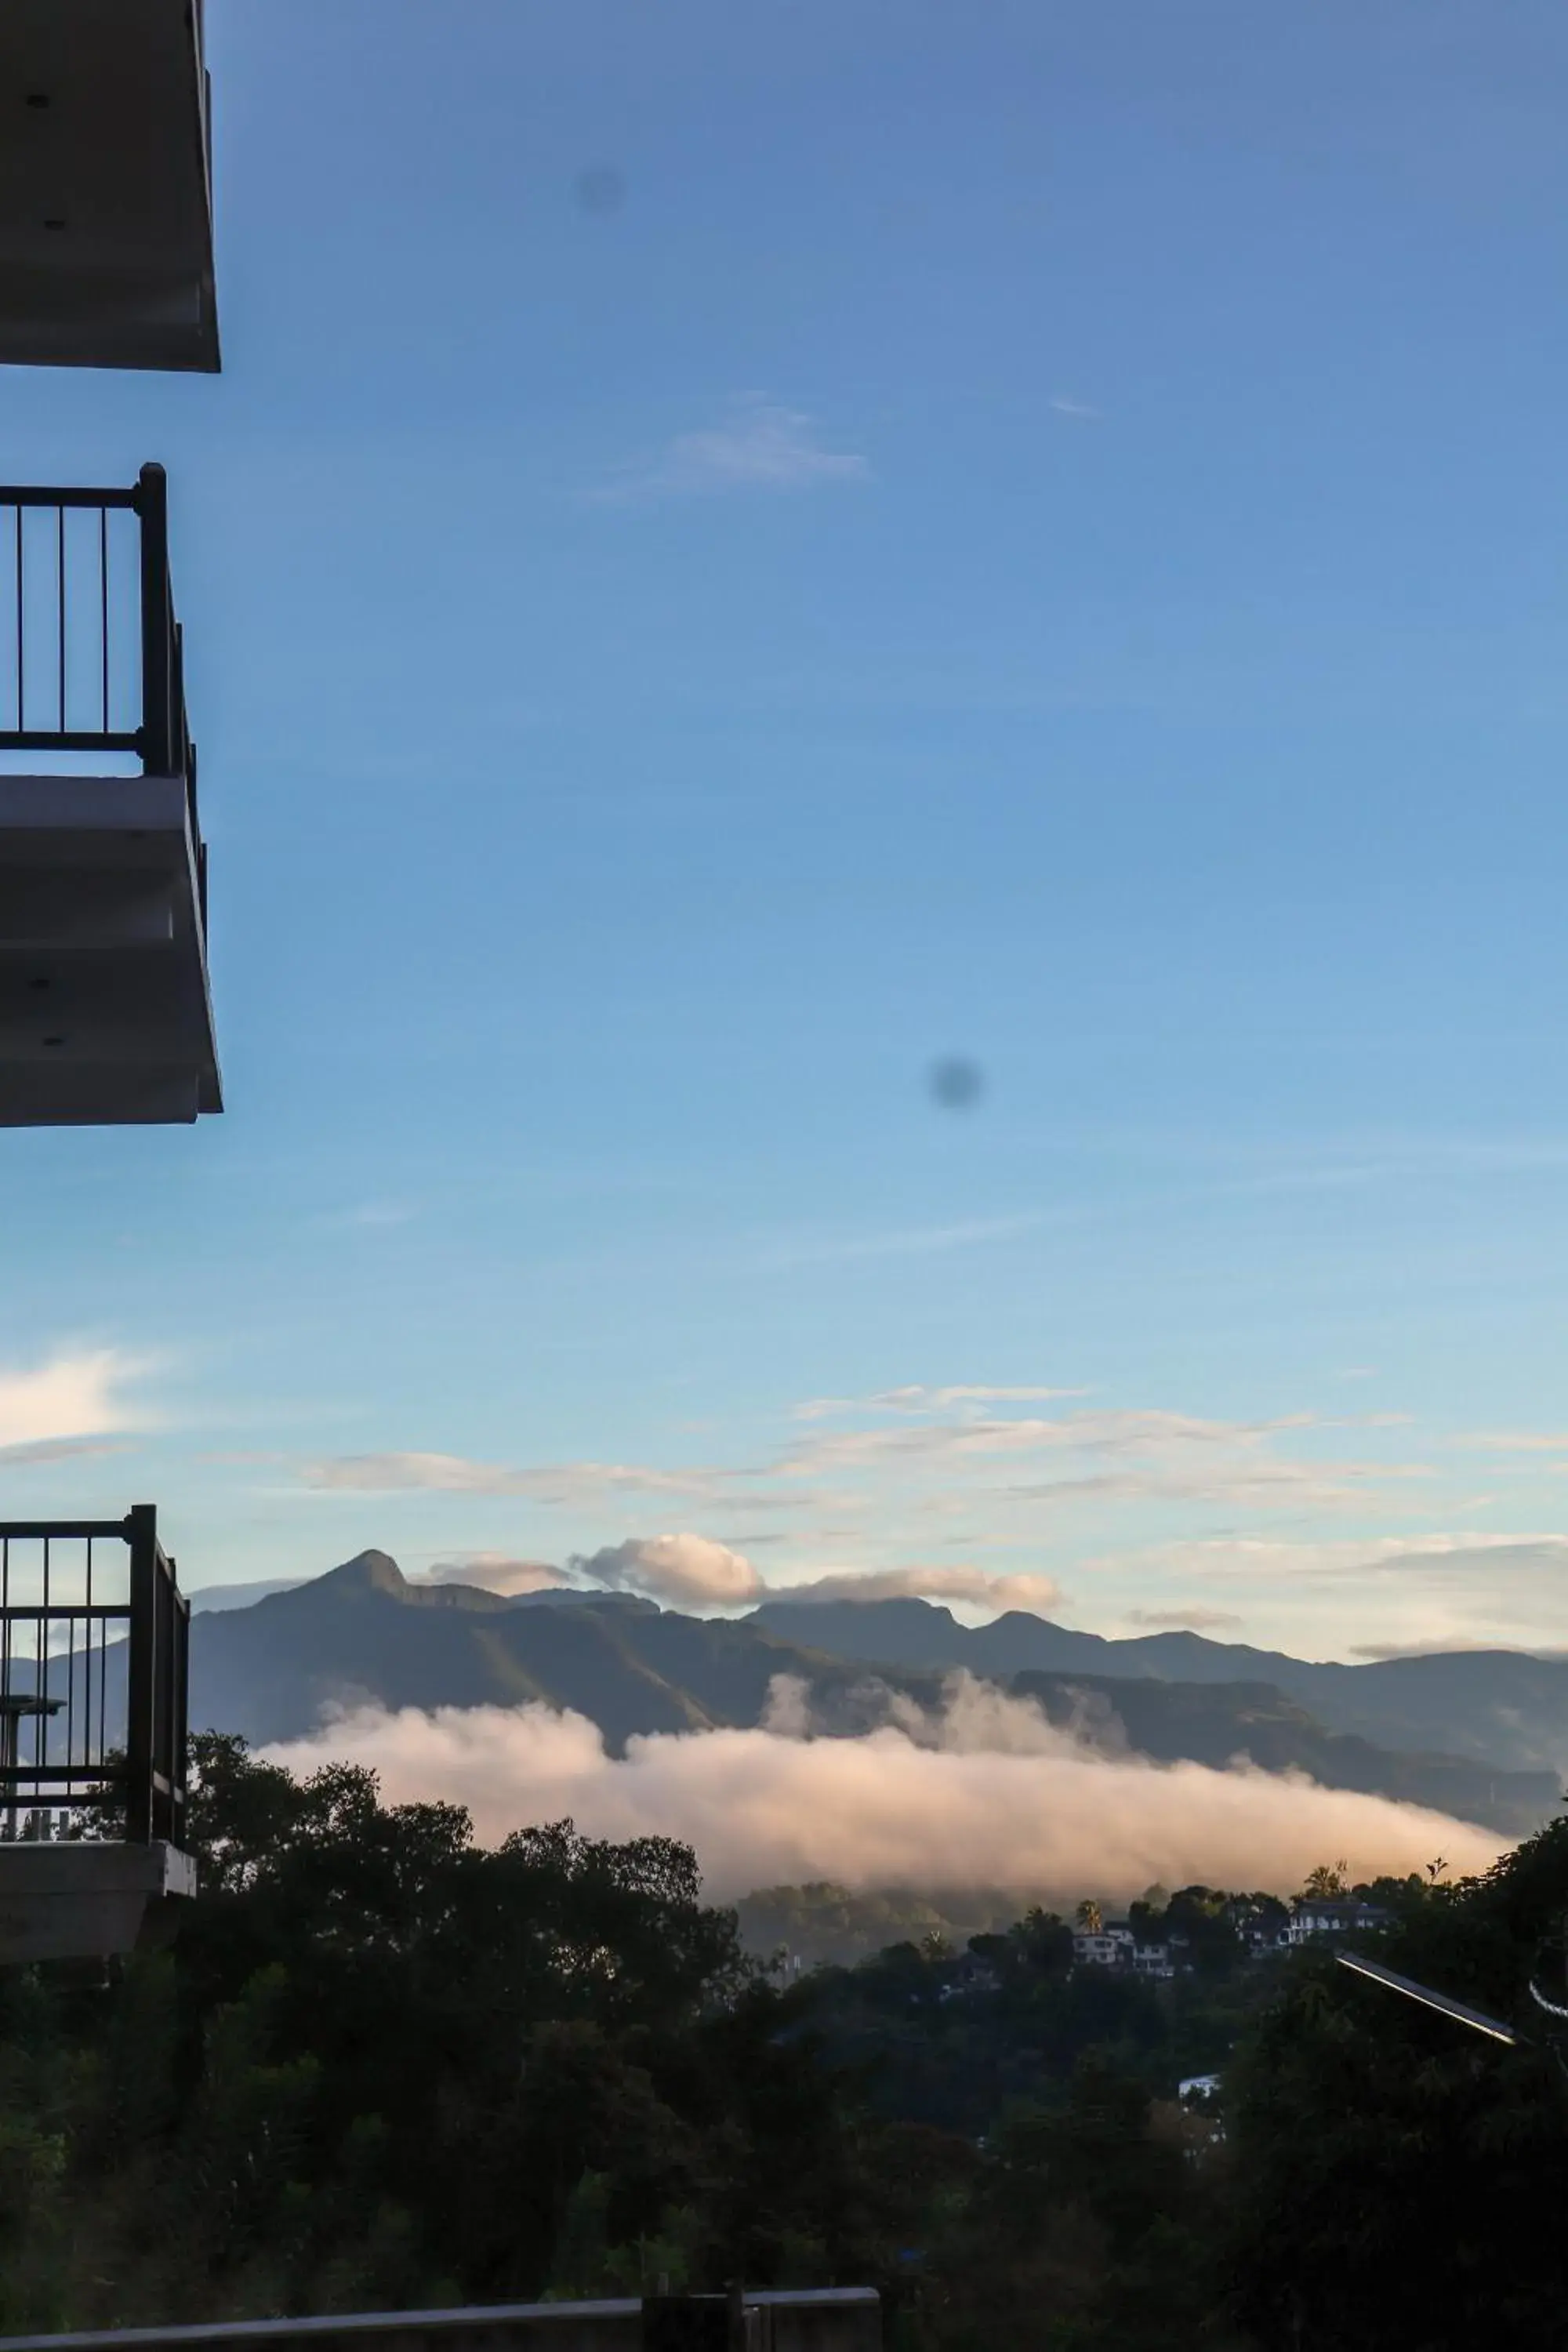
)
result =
(982, 1794)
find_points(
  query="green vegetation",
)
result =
(379, 2066)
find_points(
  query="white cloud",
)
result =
(976, 1587)
(68, 1399)
(493, 1572)
(687, 1571)
(759, 444)
(985, 1799)
(1078, 409)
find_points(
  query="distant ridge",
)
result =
(1505, 1707)
(363, 1634)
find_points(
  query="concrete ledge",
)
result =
(827, 2319)
(80, 1901)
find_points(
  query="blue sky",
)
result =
(740, 550)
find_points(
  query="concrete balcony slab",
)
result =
(106, 240)
(61, 1901)
(105, 1012)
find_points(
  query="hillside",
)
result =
(363, 1634)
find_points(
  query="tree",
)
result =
(1090, 1918)
(1329, 1878)
(380, 2065)
(1398, 2177)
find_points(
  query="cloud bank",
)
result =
(984, 1794)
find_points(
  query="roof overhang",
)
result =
(106, 238)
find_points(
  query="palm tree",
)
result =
(1090, 1918)
(1328, 1878)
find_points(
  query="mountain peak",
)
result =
(368, 1571)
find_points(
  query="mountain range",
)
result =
(1500, 1707)
(1474, 1735)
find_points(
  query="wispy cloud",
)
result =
(915, 1400)
(1518, 1441)
(912, 1241)
(57, 1449)
(72, 1396)
(1195, 1620)
(1077, 409)
(452, 1474)
(1135, 1432)
(374, 1214)
(759, 445)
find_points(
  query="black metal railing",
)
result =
(91, 652)
(94, 1643)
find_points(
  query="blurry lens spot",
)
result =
(600, 190)
(957, 1083)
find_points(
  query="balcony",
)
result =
(105, 1012)
(94, 1645)
(106, 238)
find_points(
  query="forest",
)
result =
(379, 2065)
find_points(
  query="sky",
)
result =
(881, 702)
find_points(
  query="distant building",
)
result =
(1199, 2086)
(1334, 1915)
(1111, 1947)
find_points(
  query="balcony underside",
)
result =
(106, 256)
(86, 1902)
(105, 1018)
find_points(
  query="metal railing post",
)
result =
(179, 1705)
(141, 1679)
(157, 632)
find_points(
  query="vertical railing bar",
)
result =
(21, 633)
(103, 602)
(141, 1531)
(86, 1670)
(70, 1692)
(60, 589)
(102, 1690)
(40, 1693)
(157, 649)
